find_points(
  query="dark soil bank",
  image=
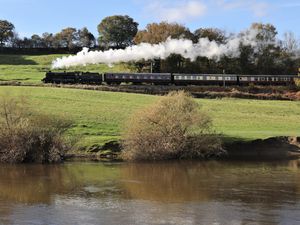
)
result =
(271, 148)
(276, 148)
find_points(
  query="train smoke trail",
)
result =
(185, 48)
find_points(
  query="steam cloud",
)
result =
(185, 48)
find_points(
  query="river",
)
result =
(188, 192)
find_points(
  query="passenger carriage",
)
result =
(138, 78)
(266, 79)
(205, 79)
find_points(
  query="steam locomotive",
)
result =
(166, 79)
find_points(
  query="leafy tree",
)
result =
(117, 31)
(67, 37)
(48, 39)
(6, 31)
(37, 41)
(159, 32)
(213, 34)
(268, 53)
(86, 38)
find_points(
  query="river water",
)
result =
(186, 192)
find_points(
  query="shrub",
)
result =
(27, 136)
(172, 128)
(297, 81)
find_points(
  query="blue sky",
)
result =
(38, 16)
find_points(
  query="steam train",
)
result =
(166, 79)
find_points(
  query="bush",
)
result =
(172, 128)
(27, 136)
(297, 81)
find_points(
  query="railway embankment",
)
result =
(289, 93)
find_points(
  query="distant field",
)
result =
(99, 116)
(31, 69)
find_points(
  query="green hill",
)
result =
(31, 69)
(99, 116)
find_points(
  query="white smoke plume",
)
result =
(185, 48)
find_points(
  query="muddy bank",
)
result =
(291, 93)
(276, 148)
(268, 149)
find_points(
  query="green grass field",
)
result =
(31, 69)
(99, 116)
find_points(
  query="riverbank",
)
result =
(99, 116)
(275, 148)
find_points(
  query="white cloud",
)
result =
(177, 11)
(257, 8)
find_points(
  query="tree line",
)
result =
(272, 56)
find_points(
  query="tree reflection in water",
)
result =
(186, 191)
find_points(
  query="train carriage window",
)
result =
(117, 76)
(220, 78)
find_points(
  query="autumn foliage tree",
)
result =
(159, 32)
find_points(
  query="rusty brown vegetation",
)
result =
(172, 128)
(27, 136)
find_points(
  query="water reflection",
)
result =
(194, 181)
(186, 192)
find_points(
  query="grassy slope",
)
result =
(31, 69)
(99, 116)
